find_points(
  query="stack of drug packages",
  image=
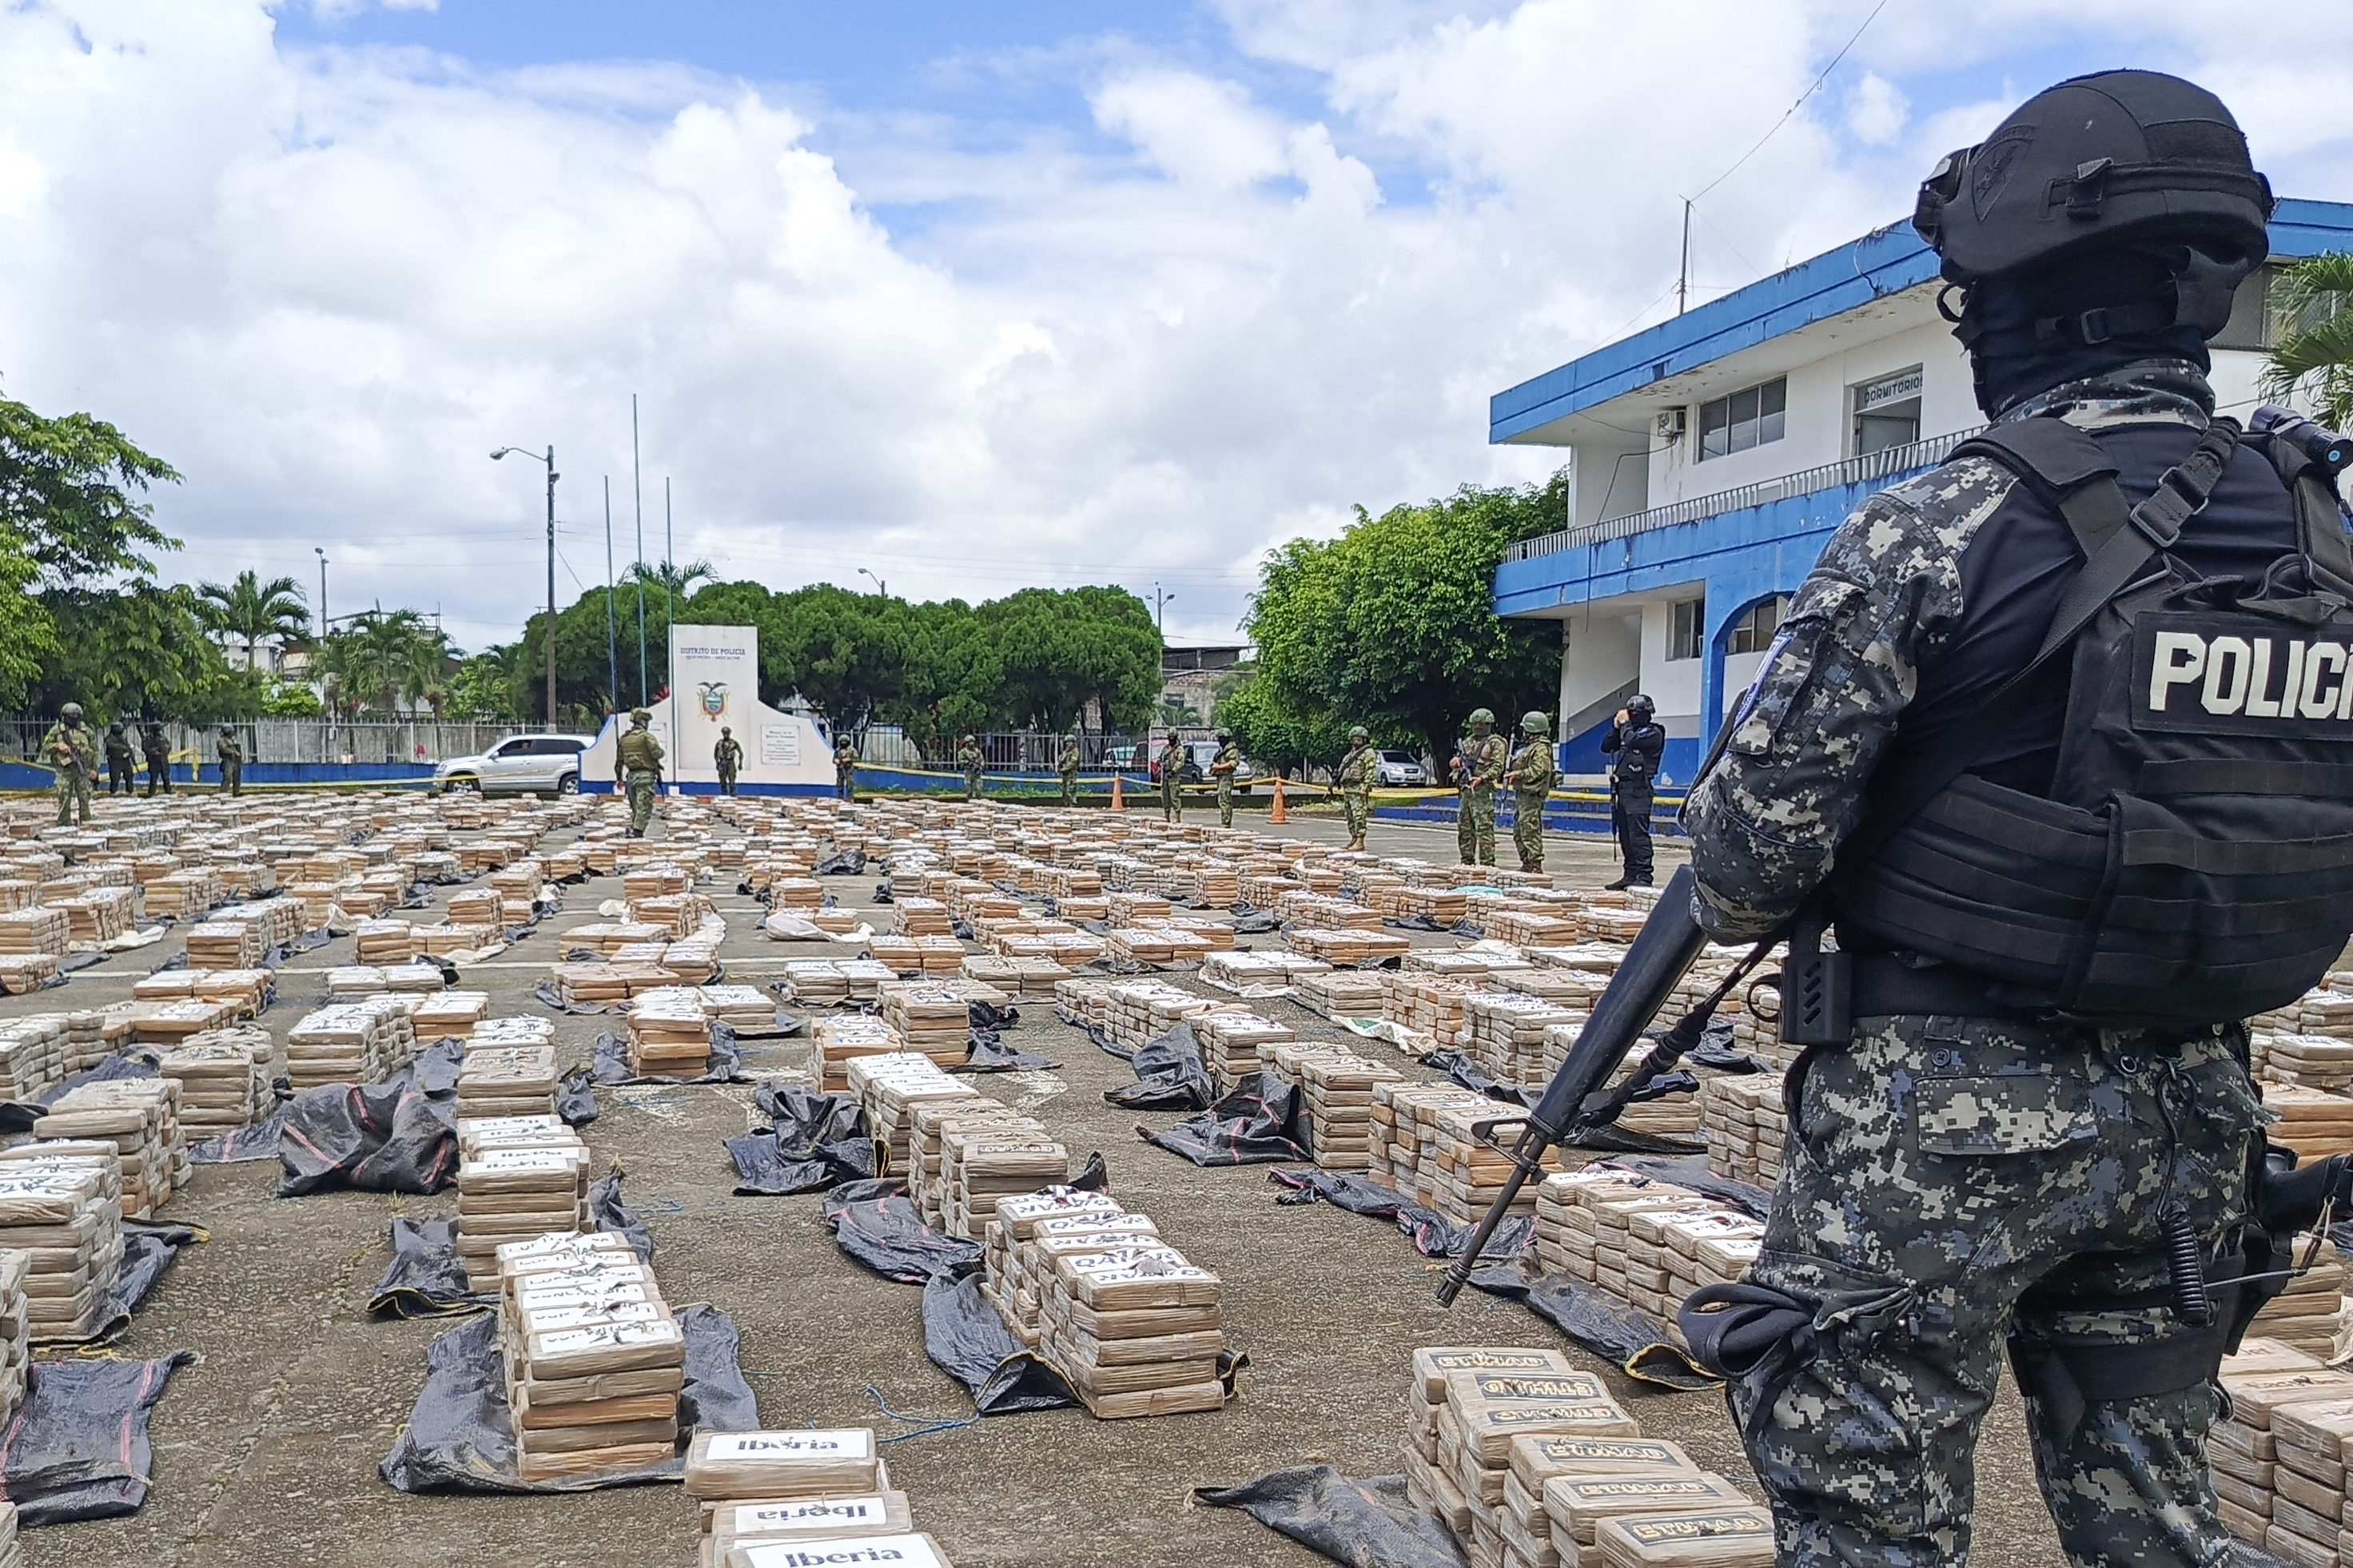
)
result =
(933, 1019)
(669, 1032)
(32, 1054)
(509, 1069)
(346, 1042)
(61, 1208)
(1136, 1012)
(139, 1118)
(225, 944)
(742, 1008)
(2278, 1464)
(846, 1037)
(40, 929)
(247, 989)
(382, 941)
(1135, 1329)
(224, 1078)
(518, 1177)
(932, 1123)
(1347, 947)
(446, 1014)
(1459, 1173)
(1747, 1126)
(2312, 1121)
(1509, 1032)
(594, 1359)
(983, 1164)
(1234, 1044)
(1431, 1005)
(1401, 1148)
(1647, 1243)
(1031, 1230)
(792, 1499)
(1533, 1465)
(2307, 1315)
(1335, 1098)
(889, 1087)
(1025, 979)
(1344, 994)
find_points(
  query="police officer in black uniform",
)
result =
(1637, 743)
(2053, 737)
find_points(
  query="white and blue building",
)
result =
(1711, 455)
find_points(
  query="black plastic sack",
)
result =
(1366, 1524)
(576, 1097)
(1168, 1075)
(1249, 1126)
(606, 1212)
(876, 1224)
(881, 893)
(984, 1016)
(548, 998)
(818, 1141)
(1601, 1323)
(461, 1434)
(1691, 1172)
(985, 1051)
(1249, 921)
(425, 1278)
(147, 1250)
(1434, 1236)
(77, 1447)
(1459, 1066)
(1103, 1043)
(611, 1061)
(240, 1146)
(397, 1136)
(850, 863)
(966, 1339)
(19, 1115)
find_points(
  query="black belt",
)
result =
(1884, 985)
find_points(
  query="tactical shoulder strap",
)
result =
(2319, 513)
(2115, 553)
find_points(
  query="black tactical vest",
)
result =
(2192, 861)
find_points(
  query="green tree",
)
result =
(669, 577)
(255, 612)
(2312, 303)
(139, 650)
(71, 486)
(482, 687)
(1392, 624)
(380, 660)
(1058, 649)
(1276, 733)
(288, 699)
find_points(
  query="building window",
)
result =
(1887, 412)
(1749, 417)
(1685, 621)
(1753, 633)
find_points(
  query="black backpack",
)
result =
(2193, 864)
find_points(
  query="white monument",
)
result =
(714, 681)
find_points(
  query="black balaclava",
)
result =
(2026, 332)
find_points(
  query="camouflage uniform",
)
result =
(1222, 768)
(1477, 765)
(970, 758)
(121, 767)
(1531, 776)
(641, 757)
(845, 769)
(232, 762)
(1172, 780)
(1068, 768)
(72, 750)
(1355, 781)
(727, 756)
(1949, 1180)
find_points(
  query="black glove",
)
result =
(2289, 1200)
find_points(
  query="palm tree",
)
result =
(380, 657)
(672, 578)
(2312, 303)
(254, 611)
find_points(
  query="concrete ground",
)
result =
(266, 1447)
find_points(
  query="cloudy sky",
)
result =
(972, 295)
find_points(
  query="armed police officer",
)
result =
(158, 754)
(72, 750)
(970, 758)
(845, 767)
(727, 756)
(639, 756)
(1532, 773)
(1354, 781)
(1066, 768)
(2049, 737)
(121, 769)
(1478, 766)
(1636, 742)
(1171, 764)
(232, 760)
(1222, 768)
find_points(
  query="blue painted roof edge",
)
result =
(1885, 261)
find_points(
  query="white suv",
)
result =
(520, 764)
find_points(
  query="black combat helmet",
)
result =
(2097, 162)
(1640, 707)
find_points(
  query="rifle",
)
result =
(1576, 1102)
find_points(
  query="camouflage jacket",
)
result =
(69, 750)
(228, 749)
(1792, 765)
(1532, 771)
(1479, 764)
(845, 758)
(969, 758)
(727, 754)
(1355, 774)
(1070, 761)
(1227, 762)
(639, 751)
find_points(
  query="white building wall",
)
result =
(1672, 684)
(1603, 652)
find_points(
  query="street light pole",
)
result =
(552, 477)
(320, 550)
(882, 589)
(1159, 603)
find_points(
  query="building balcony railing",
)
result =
(1890, 463)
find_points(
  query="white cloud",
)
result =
(325, 285)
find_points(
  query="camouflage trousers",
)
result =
(1172, 800)
(1356, 805)
(1527, 830)
(643, 784)
(1474, 826)
(1225, 802)
(1070, 789)
(1949, 1183)
(845, 784)
(233, 777)
(73, 792)
(727, 781)
(972, 784)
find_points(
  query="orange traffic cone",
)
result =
(1118, 802)
(1278, 815)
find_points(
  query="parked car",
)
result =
(1399, 770)
(520, 764)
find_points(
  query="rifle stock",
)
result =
(1661, 954)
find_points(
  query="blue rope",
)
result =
(925, 1425)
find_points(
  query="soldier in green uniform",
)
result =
(641, 757)
(1477, 768)
(1531, 775)
(1222, 768)
(1355, 781)
(845, 767)
(232, 760)
(121, 767)
(72, 750)
(1172, 768)
(1068, 767)
(969, 757)
(158, 752)
(727, 756)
